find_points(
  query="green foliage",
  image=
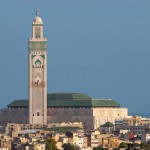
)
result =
(77, 148)
(136, 144)
(97, 148)
(123, 145)
(145, 146)
(68, 146)
(63, 129)
(51, 144)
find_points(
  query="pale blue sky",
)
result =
(97, 47)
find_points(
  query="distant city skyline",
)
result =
(100, 48)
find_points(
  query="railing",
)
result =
(34, 39)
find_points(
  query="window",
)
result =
(37, 32)
(38, 113)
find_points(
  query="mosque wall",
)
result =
(91, 118)
(8, 115)
(103, 114)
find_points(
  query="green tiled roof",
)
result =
(19, 104)
(82, 103)
(68, 100)
(108, 124)
(70, 96)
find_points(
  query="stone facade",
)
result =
(13, 116)
(91, 118)
(37, 74)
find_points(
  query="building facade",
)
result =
(67, 107)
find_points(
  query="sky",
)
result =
(97, 47)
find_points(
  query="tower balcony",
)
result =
(35, 39)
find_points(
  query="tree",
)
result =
(145, 146)
(77, 147)
(51, 144)
(136, 145)
(68, 146)
(97, 148)
(123, 145)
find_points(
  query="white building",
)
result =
(80, 142)
(145, 137)
(94, 140)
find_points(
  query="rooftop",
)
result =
(68, 100)
(28, 131)
(67, 96)
(108, 124)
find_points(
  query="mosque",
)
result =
(42, 108)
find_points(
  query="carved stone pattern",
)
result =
(40, 45)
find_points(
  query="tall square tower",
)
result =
(37, 74)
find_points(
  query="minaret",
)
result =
(37, 73)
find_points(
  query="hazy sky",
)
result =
(97, 47)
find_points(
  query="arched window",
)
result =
(37, 32)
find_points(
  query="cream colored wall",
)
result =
(102, 115)
(83, 115)
(91, 118)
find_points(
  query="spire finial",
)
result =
(37, 12)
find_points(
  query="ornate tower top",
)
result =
(37, 19)
(37, 28)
